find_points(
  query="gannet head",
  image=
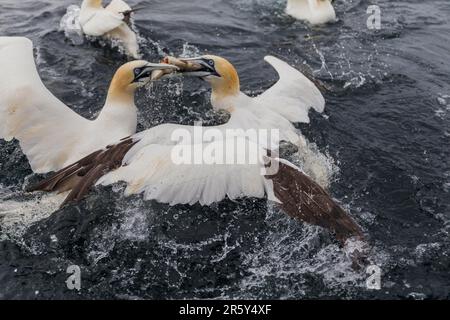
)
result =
(92, 3)
(219, 72)
(136, 74)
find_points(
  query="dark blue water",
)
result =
(383, 143)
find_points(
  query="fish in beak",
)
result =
(154, 71)
(194, 67)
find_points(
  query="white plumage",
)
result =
(149, 169)
(313, 11)
(293, 95)
(109, 22)
(50, 134)
(232, 166)
(287, 101)
(148, 166)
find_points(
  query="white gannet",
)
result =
(145, 163)
(286, 102)
(313, 11)
(111, 22)
(51, 135)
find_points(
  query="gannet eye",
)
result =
(211, 63)
(137, 71)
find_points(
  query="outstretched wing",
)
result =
(177, 175)
(105, 20)
(29, 112)
(165, 172)
(293, 95)
(240, 170)
(118, 6)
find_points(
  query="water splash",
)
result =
(321, 167)
(289, 255)
(353, 72)
(18, 211)
(70, 25)
(323, 67)
(444, 106)
(189, 51)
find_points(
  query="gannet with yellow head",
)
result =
(51, 134)
(110, 22)
(222, 76)
(286, 102)
(145, 163)
(313, 11)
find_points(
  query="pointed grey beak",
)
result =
(194, 67)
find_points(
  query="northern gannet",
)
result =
(286, 102)
(313, 11)
(51, 135)
(144, 161)
(111, 22)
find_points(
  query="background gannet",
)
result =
(112, 22)
(144, 162)
(313, 11)
(51, 135)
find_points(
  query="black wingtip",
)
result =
(127, 14)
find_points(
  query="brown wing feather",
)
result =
(127, 17)
(81, 176)
(305, 200)
(300, 196)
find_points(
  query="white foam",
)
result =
(287, 254)
(189, 51)
(444, 106)
(70, 25)
(17, 215)
(321, 167)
